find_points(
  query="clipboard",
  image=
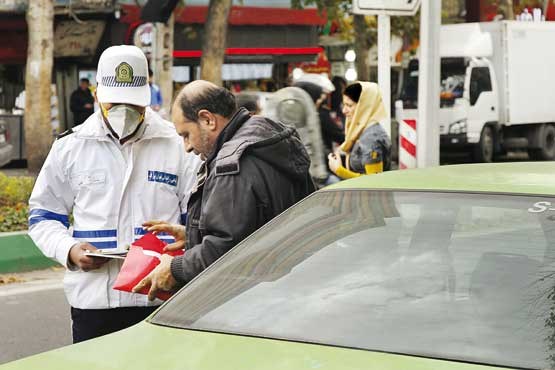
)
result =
(103, 253)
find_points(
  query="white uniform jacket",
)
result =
(110, 190)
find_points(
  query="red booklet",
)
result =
(142, 258)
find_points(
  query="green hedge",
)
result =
(14, 197)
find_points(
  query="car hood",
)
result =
(148, 346)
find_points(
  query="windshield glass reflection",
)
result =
(457, 276)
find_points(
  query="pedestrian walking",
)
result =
(367, 146)
(122, 166)
(255, 168)
(81, 102)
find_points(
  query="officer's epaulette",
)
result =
(66, 133)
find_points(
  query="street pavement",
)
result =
(34, 314)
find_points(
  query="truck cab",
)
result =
(468, 103)
(492, 97)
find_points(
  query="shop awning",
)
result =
(252, 51)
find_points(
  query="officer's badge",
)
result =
(124, 73)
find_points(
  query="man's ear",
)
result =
(207, 119)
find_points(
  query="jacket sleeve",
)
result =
(49, 208)
(231, 214)
(373, 150)
(159, 96)
(369, 169)
(187, 178)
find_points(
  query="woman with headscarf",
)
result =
(367, 146)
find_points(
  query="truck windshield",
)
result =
(452, 82)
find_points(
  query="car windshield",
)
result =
(444, 275)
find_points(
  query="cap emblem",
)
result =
(124, 73)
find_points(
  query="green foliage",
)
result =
(14, 190)
(14, 218)
(14, 195)
(340, 11)
(334, 8)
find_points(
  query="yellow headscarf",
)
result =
(369, 110)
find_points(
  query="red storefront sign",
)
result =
(322, 65)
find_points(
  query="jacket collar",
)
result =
(155, 127)
(240, 117)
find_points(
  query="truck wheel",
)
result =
(483, 151)
(546, 152)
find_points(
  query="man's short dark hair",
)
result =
(85, 80)
(216, 100)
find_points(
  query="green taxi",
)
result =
(442, 268)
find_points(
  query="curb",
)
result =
(18, 253)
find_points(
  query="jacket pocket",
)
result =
(156, 195)
(92, 179)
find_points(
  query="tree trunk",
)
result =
(508, 10)
(362, 45)
(213, 50)
(38, 77)
(164, 62)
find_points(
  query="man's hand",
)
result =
(160, 278)
(175, 230)
(78, 258)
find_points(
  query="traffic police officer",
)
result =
(122, 166)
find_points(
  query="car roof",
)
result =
(534, 178)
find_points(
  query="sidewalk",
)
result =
(18, 253)
(29, 282)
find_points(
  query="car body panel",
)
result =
(148, 346)
(536, 178)
(6, 148)
(6, 154)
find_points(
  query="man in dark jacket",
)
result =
(81, 102)
(254, 169)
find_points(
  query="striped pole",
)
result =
(407, 144)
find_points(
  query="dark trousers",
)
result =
(88, 324)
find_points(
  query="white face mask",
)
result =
(123, 119)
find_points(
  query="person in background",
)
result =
(249, 102)
(155, 94)
(367, 146)
(122, 166)
(81, 102)
(336, 100)
(331, 133)
(254, 169)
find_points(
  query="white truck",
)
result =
(497, 89)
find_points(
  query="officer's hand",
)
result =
(175, 230)
(86, 263)
(160, 278)
(334, 162)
